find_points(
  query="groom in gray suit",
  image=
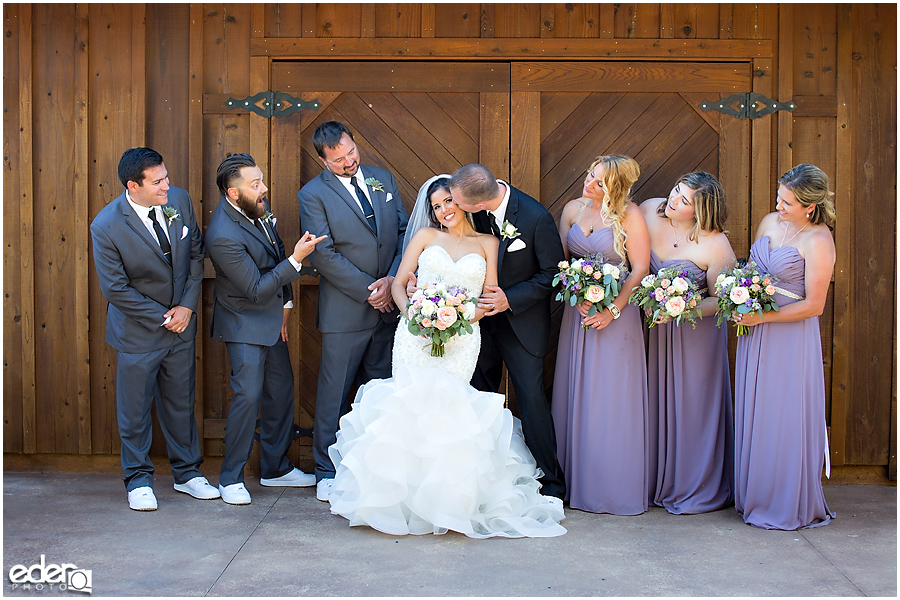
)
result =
(359, 208)
(149, 260)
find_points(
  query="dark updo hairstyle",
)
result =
(809, 184)
(709, 203)
(442, 183)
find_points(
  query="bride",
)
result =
(423, 451)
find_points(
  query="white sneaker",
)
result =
(323, 489)
(295, 478)
(199, 488)
(556, 504)
(142, 498)
(235, 493)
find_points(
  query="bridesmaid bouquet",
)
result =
(587, 279)
(743, 290)
(437, 312)
(671, 292)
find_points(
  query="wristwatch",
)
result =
(614, 311)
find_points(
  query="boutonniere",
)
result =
(269, 218)
(374, 184)
(508, 231)
(171, 213)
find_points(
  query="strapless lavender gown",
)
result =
(779, 387)
(690, 387)
(600, 402)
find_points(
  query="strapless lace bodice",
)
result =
(460, 352)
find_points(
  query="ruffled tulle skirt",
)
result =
(424, 452)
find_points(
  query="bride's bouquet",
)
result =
(743, 290)
(671, 292)
(437, 312)
(587, 279)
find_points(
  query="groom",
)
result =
(518, 329)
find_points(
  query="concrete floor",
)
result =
(286, 543)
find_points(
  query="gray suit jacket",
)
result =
(135, 278)
(253, 281)
(352, 257)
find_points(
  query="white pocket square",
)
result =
(389, 197)
(516, 245)
(184, 232)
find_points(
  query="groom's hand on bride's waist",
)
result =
(493, 300)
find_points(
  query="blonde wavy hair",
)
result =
(619, 175)
(809, 184)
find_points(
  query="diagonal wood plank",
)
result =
(556, 107)
(576, 127)
(685, 158)
(452, 137)
(463, 108)
(694, 99)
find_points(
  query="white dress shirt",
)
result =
(500, 214)
(144, 213)
(294, 263)
(361, 182)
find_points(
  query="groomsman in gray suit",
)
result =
(149, 260)
(253, 301)
(359, 208)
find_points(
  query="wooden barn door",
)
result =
(565, 114)
(414, 119)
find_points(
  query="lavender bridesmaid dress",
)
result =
(600, 402)
(780, 441)
(690, 386)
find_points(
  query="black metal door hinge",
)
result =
(272, 104)
(747, 105)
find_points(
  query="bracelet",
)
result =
(614, 311)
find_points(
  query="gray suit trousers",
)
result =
(167, 374)
(357, 355)
(263, 383)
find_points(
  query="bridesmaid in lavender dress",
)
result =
(780, 438)
(600, 388)
(689, 382)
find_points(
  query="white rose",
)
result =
(509, 229)
(648, 281)
(428, 308)
(739, 294)
(609, 269)
(727, 281)
(469, 311)
(675, 306)
(680, 284)
(720, 279)
(576, 265)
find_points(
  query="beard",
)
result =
(250, 206)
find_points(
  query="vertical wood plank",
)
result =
(734, 173)
(338, 20)
(12, 225)
(138, 76)
(519, 20)
(257, 20)
(666, 20)
(487, 20)
(26, 233)
(607, 20)
(761, 191)
(726, 26)
(493, 149)
(309, 18)
(195, 188)
(398, 20)
(525, 142)
(81, 321)
(259, 126)
(366, 20)
(873, 159)
(428, 20)
(457, 19)
(815, 50)
(548, 20)
(785, 55)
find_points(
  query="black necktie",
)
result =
(265, 231)
(494, 228)
(161, 236)
(365, 204)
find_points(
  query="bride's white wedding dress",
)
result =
(424, 452)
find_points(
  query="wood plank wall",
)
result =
(84, 82)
